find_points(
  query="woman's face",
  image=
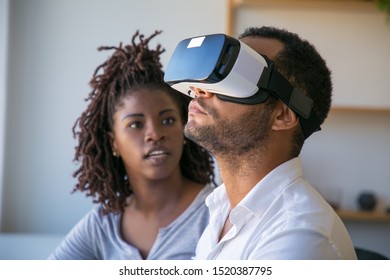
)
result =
(148, 134)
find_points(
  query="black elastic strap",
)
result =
(301, 104)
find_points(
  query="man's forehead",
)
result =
(266, 46)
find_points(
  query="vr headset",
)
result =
(236, 73)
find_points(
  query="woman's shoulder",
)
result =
(198, 203)
(206, 190)
(97, 216)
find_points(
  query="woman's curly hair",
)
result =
(100, 174)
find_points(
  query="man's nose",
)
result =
(202, 93)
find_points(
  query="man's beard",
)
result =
(231, 137)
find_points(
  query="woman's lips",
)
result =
(157, 156)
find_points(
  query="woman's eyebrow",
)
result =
(166, 111)
(132, 115)
(142, 115)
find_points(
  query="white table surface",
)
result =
(27, 246)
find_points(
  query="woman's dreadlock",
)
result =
(101, 175)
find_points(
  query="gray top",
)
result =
(98, 236)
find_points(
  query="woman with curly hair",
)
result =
(148, 180)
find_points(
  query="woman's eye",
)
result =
(168, 121)
(135, 125)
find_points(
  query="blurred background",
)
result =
(48, 52)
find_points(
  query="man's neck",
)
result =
(240, 175)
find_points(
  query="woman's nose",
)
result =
(154, 133)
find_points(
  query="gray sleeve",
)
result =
(78, 243)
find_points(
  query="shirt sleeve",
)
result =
(297, 245)
(78, 243)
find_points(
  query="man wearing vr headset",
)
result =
(264, 209)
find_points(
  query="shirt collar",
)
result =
(271, 186)
(263, 193)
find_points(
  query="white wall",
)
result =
(52, 55)
(3, 96)
(351, 155)
(353, 36)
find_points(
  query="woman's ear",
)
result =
(113, 143)
(110, 137)
(284, 117)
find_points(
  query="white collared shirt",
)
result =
(282, 217)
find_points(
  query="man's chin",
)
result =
(201, 135)
(189, 130)
(193, 132)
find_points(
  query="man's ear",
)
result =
(284, 117)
